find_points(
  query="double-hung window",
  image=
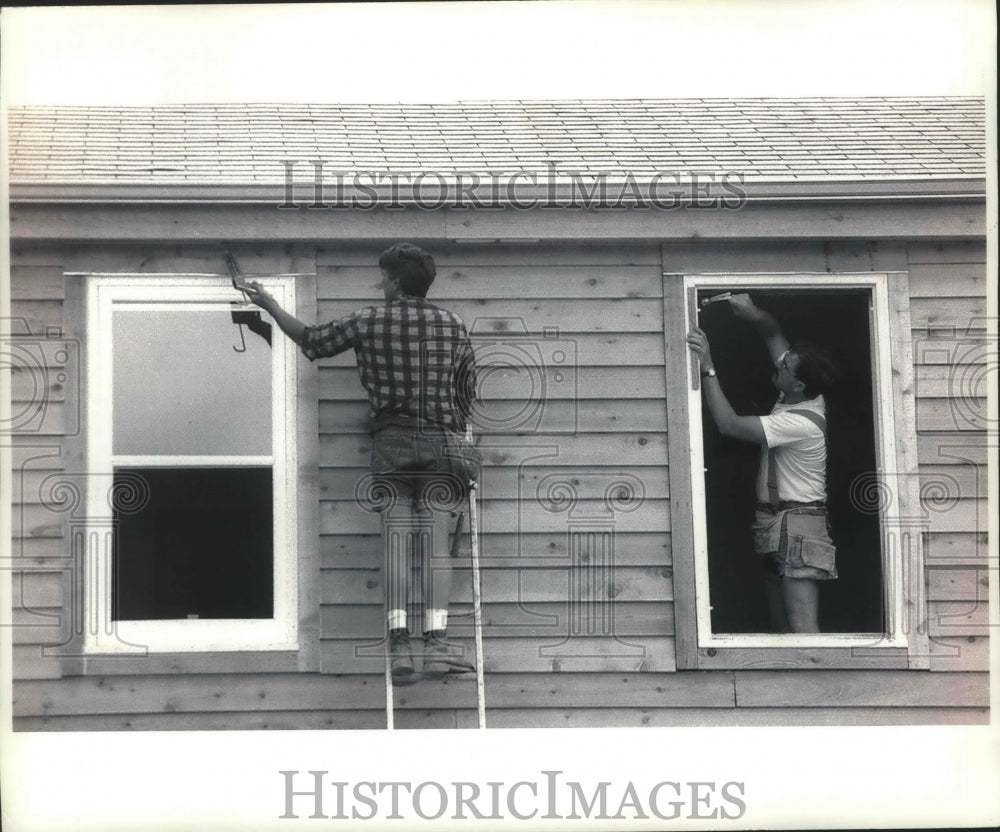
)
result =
(191, 460)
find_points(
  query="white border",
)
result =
(165, 292)
(885, 442)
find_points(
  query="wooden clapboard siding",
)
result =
(607, 418)
(947, 308)
(44, 399)
(570, 717)
(625, 717)
(503, 550)
(952, 361)
(610, 418)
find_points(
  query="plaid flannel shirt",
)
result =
(415, 360)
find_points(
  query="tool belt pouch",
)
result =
(766, 532)
(805, 540)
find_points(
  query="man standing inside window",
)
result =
(791, 528)
(416, 362)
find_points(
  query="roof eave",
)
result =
(52, 192)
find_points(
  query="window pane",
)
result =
(202, 546)
(180, 388)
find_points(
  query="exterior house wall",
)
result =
(607, 659)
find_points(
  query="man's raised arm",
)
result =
(727, 420)
(765, 323)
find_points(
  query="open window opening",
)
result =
(873, 611)
(839, 321)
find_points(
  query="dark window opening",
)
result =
(201, 547)
(839, 321)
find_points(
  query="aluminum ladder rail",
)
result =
(477, 618)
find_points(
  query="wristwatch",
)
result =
(709, 373)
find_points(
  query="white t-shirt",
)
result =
(799, 453)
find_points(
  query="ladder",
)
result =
(477, 617)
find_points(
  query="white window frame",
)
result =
(177, 292)
(899, 591)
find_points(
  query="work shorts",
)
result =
(428, 466)
(797, 539)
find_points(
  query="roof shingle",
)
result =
(805, 139)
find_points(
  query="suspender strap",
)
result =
(772, 477)
(812, 416)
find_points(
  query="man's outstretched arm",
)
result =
(289, 324)
(727, 420)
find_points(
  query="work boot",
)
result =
(443, 657)
(400, 660)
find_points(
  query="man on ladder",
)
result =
(416, 362)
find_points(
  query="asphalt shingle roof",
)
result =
(767, 140)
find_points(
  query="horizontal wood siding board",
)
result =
(949, 619)
(359, 694)
(36, 282)
(36, 317)
(545, 620)
(872, 689)
(36, 588)
(965, 548)
(574, 690)
(448, 254)
(944, 414)
(583, 450)
(949, 381)
(28, 662)
(947, 280)
(191, 257)
(38, 626)
(504, 551)
(38, 453)
(512, 515)
(964, 583)
(500, 718)
(587, 349)
(754, 221)
(206, 692)
(525, 408)
(346, 517)
(582, 316)
(784, 256)
(951, 251)
(472, 284)
(963, 481)
(587, 415)
(938, 312)
(579, 654)
(501, 482)
(963, 653)
(321, 720)
(542, 584)
(31, 255)
(943, 448)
